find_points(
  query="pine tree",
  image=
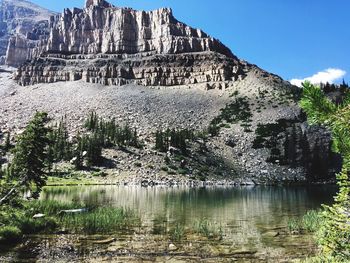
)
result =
(28, 167)
(7, 145)
(334, 234)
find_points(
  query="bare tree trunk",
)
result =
(8, 195)
(12, 191)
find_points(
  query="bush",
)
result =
(138, 164)
(294, 226)
(208, 229)
(177, 233)
(164, 168)
(29, 225)
(10, 234)
(312, 221)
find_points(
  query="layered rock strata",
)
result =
(115, 46)
(151, 70)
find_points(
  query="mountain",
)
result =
(21, 22)
(159, 73)
(118, 46)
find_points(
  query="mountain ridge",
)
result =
(170, 76)
(18, 18)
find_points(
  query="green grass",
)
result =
(94, 221)
(294, 225)
(99, 221)
(52, 181)
(310, 222)
(177, 233)
(208, 229)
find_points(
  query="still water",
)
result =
(267, 206)
(253, 221)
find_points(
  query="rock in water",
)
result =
(172, 247)
(38, 216)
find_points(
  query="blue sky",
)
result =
(291, 38)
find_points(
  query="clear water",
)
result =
(268, 206)
(253, 220)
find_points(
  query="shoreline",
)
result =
(179, 183)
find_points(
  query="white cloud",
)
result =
(329, 75)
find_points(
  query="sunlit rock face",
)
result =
(105, 44)
(21, 25)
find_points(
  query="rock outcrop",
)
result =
(114, 46)
(22, 24)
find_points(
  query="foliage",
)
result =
(60, 148)
(236, 111)
(334, 235)
(177, 233)
(294, 225)
(100, 220)
(10, 234)
(208, 229)
(310, 222)
(7, 145)
(28, 169)
(94, 220)
(102, 134)
(110, 133)
(173, 138)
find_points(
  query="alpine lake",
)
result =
(179, 224)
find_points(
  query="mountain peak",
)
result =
(100, 3)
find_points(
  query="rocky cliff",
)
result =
(261, 135)
(21, 25)
(117, 46)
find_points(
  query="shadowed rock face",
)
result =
(100, 3)
(21, 24)
(115, 46)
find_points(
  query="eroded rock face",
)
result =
(100, 28)
(151, 70)
(21, 25)
(115, 46)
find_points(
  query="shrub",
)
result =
(177, 233)
(208, 229)
(312, 221)
(10, 234)
(29, 225)
(294, 226)
(164, 168)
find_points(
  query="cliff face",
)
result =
(101, 28)
(116, 46)
(21, 25)
(104, 44)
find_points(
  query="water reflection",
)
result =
(261, 205)
(253, 222)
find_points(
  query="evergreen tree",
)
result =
(28, 167)
(7, 145)
(334, 235)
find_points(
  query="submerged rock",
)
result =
(172, 247)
